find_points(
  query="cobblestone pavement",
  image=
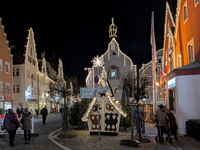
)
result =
(85, 141)
(40, 142)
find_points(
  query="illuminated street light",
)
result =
(157, 83)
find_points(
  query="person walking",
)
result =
(26, 116)
(11, 124)
(18, 112)
(160, 118)
(173, 124)
(36, 113)
(44, 113)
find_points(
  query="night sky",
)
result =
(78, 30)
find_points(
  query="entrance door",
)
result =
(172, 103)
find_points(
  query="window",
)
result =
(115, 90)
(13, 88)
(185, 11)
(1, 66)
(35, 76)
(179, 61)
(28, 73)
(112, 74)
(33, 62)
(1, 87)
(156, 70)
(17, 72)
(196, 3)
(17, 89)
(191, 52)
(7, 67)
(159, 60)
(8, 88)
(13, 72)
(31, 51)
(32, 93)
(35, 91)
(172, 104)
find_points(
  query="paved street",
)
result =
(83, 141)
(40, 142)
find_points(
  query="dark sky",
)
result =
(78, 30)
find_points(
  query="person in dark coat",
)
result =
(11, 124)
(26, 116)
(18, 112)
(173, 124)
(36, 113)
(44, 113)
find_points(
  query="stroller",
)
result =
(169, 138)
(159, 137)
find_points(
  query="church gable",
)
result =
(30, 53)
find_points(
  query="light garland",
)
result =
(111, 99)
(165, 27)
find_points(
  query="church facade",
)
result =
(113, 60)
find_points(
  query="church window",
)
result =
(112, 74)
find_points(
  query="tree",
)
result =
(128, 80)
(77, 112)
(59, 88)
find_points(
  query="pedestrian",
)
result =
(140, 114)
(55, 110)
(173, 124)
(44, 113)
(18, 112)
(11, 124)
(160, 118)
(36, 113)
(26, 116)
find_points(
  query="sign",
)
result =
(87, 92)
(171, 82)
(96, 79)
(96, 85)
(103, 89)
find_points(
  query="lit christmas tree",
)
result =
(104, 75)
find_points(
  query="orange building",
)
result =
(181, 60)
(6, 79)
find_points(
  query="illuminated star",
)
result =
(98, 61)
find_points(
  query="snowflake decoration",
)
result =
(98, 61)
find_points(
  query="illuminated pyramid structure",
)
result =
(110, 113)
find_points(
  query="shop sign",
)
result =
(171, 82)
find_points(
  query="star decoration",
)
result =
(98, 61)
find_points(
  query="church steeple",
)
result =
(112, 29)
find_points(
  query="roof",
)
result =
(111, 99)
(194, 65)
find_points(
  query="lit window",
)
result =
(1, 66)
(1, 87)
(185, 11)
(8, 88)
(179, 60)
(112, 74)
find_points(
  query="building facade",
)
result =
(113, 58)
(181, 61)
(6, 65)
(146, 70)
(31, 79)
